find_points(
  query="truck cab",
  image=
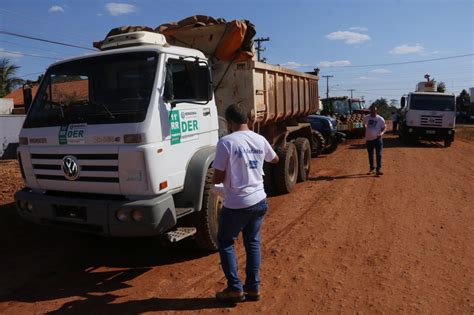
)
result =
(429, 116)
(120, 142)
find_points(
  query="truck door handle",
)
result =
(206, 112)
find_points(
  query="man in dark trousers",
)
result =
(239, 166)
(374, 130)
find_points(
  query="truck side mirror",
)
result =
(168, 94)
(402, 102)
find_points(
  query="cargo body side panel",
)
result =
(271, 93)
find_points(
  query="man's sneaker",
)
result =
(378, 173)
(252, 295)
(230, 296)
(371, 171)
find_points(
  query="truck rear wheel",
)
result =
(317, 143)
(304, 158)
(207, 220)
(286, 171)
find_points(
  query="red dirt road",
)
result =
(341, 242)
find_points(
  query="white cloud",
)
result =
(56, 8)
(119, 8)
(13, 54)
(381, 71)
(294, 64)
(336, 63)
(407, 49)
(364, 78)
(348, 37)
(358, 28)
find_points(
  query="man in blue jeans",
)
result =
(239, 166)
(374, 130)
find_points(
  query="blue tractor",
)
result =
(325, 135)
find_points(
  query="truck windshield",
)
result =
(98, 90)
(341, 107)
(432, 102)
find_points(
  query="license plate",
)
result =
(430, 132)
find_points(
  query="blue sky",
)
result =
(334, 35)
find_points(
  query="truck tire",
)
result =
(303, 149)
(318, 143)
(286, 171)
(207, 220)
(331, 148)
(447, 142)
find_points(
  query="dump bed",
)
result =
(271, 93)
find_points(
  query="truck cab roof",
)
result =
(176, 50)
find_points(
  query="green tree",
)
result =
(441, 87)
(383, 108)
(462, 101)
(8, 79)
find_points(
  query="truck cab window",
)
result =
(188, 81)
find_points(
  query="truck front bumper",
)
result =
(99, 216)
(435, 134)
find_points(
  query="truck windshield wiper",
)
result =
(106, 109)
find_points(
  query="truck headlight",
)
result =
(121, 215)
(137, 215)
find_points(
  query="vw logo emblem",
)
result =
(70, 167)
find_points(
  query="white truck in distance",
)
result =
(121, 142)
(427, 114)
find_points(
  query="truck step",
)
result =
(179, 234)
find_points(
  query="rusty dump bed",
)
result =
(271, 93)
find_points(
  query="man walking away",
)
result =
(394, 122)
(374, 130)
(239, 166)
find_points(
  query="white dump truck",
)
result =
(121, 142)
(428, 114)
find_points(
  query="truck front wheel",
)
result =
(304, 158)
(207, 220)
(286, 171)
(447, 142)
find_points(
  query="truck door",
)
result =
(188, 91)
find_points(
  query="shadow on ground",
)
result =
(395, 142)
(40, 264)
(330, 178)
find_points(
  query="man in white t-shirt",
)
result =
(374, 130)
(239, 166)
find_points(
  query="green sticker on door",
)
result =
(184, 126)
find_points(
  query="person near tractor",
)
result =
(239, 166)
(374, 130)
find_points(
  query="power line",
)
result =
(44, 40)
(31, 47)
(28, 55)
(404, 62)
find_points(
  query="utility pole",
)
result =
(259, 47)
(327, 84)
(352, 90)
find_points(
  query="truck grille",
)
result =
(431, 121)
(92, 167)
